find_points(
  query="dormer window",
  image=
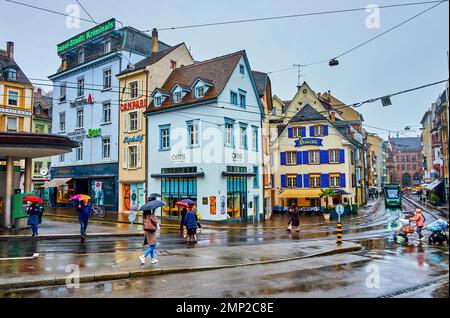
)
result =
(12, 74)
(158, 101)
(242, 69)
(200, 92)
(38, 110)
(107, 46)
(81, 57)
(177, 97)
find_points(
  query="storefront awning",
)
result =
(301, 193)
(179, 175)
(433, 185)
(56, 183)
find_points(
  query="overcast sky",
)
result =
(413, 55)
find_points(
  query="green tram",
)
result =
(393, 196)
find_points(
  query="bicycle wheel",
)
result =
(101, 212)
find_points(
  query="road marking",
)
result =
(19, 258)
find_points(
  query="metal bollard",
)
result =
(339, 234)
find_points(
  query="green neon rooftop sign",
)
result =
(86, 36)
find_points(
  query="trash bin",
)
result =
(354, 209)
(20, 210)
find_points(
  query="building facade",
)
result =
(376, 160)
(311, 152)
(86, 109)
(406, 161)
(140, 81)
(442, 113)
(206, 122)
(429, 174)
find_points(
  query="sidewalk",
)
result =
(442, 209)
(53, 270)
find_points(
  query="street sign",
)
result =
(132, 217)
(386, 101)
(340, 209)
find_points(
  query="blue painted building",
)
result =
(86, 109)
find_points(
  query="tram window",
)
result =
(392, 194)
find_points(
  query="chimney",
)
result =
(10, 49)
(333, 117)
(155, 47)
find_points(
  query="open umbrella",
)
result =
(152, 205)
(155, 195)
(185, 203)
(80, 197)
(32, 199)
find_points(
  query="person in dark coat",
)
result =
(191, 225)
(145, 214)
(33, 212)
(150, 235)
(84, 214)
(183, 217)
(294, 221)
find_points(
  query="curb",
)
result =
(59, 281)
(8, 238)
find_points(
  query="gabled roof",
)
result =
(261, 82)
(5, 63)
(217, 70)
(183, 87)
(307, 113)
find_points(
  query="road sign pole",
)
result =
(339, 210)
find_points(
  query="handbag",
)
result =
(149, 225)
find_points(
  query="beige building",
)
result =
(427, 145)
(375, 162)
(139, 81)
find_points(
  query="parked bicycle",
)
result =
(98, 211)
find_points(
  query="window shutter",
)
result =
(125, 158)
(305, 158)
(324, 159)
(299, 158)
(139, 120)
(283, 158)
(138, 156)
(140, 88)
(306, 180)
(343, 180)
(342, 156)
(324, 180)
(299, 181)
(283, 181)
(325, 130)
(303, 131)
(311, 131)
(291, 132)
(125, 122)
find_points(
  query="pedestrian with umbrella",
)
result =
(33, 211)
(150, 227)
(84, 209)
(152, 197)
(191, 223)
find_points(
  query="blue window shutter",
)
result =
(290, 133)
(325, 130)
(342, 156)
(283, 181)
(303, 131)
(299, 181)
(324, 180)
(324, 157)
(311, 131)
(283, 158)
(306, 180)
(305, 157)
(299, 158)
(343, 181)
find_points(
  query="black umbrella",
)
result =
(152, 205)
(155, 195)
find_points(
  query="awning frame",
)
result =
(56, 183)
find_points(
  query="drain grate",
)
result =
(415, 288)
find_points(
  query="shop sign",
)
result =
(94, 133)
(222, 205)
(82, 101)
(129, 140)
(133, 105)
(309, 142)
(65, 171)
(237, 156)
(77, 135)
(15, 111)
(180, 157)
(86, 36)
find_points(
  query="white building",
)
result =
(205, 123)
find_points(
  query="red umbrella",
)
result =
(32, 199)
(182, 204)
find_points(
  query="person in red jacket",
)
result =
(420, 220)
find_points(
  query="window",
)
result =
(403, 167)
(106, 148)
(291, 181)
(314, 157)
(414, 158)
(256, 177)
(80, 118)
(81, 57)
(158, 101)
(62, 158)
(164, 138)
(177, 97)
(414, 167)
(132, 157)
(193, 131)
(229, 128)
(37, 167)
(244, 143)
(62, 92)
(398, 158)
(133, 121)
(335, 181)
(242, 69)
(242, 99)
(107, 79)
(200, 91)
(291, 158)
(296, 132)
(79, 152)
(80, 87)
(318, 131)
(352, 157)
(107, 47)
(12, 74)
(334, 156)
(233, 98)
(62, 122)
(134, 89)
(11, 123)
(408, 167)
(13, 98)
(315, 181)
(106, 112)
(255, 138)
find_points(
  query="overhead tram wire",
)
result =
(84, 9)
